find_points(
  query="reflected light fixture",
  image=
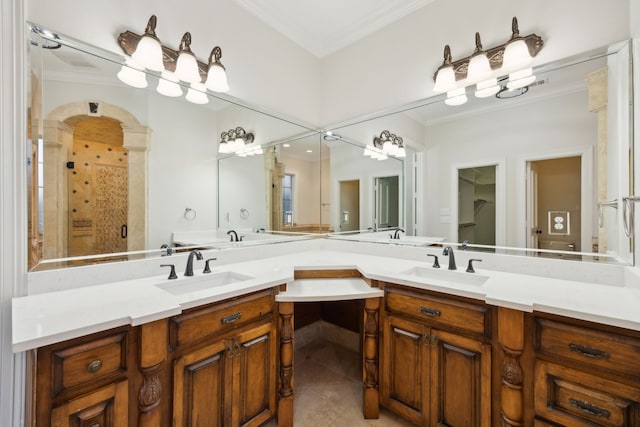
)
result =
(484, 66)
(387, 144)
(146, 52)
(238, 141)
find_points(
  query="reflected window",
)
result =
(287, 199)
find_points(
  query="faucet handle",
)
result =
(172, 274)
(206, 265)
(436, 264)
(470, 265)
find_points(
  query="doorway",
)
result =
(350, 205)
(554, 204)
(477, 205)
(386, 196)
(98, 193)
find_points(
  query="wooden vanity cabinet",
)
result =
(585, 374)
(224, 363)
(85, 382)
(435, 358)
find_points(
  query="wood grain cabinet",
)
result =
(435, 358)
(585, 374)
(226, 377)
(85, 382)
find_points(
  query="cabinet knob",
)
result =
(94, 366)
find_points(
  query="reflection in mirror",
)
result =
(477, 205)
(116, 172)
(576, 114)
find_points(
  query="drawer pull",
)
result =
(592, 353)
(231, 318)
(589, 408)
(94, 425)
(94, 366)
(430, 311)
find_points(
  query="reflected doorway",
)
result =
(554, 201)
(98, 193)
(386, 196)
(350, 205)
(477, 205)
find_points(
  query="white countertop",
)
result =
(50, 317)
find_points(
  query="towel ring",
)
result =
(190, 214)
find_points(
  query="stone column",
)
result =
(598, 96)
(58, 143)
(137, 140)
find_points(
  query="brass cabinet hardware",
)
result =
(94, 366)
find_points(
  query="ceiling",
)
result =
(323, 27)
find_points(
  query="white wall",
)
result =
(395, 65)
(242, 186)
(263, 66)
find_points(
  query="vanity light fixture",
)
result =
(238, 141)
(484, 66)
(387, 144)
(146, 53)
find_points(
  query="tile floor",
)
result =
(328, 389)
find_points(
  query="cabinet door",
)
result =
(200, 381)
(254, 376)
(460, 381)
(404, 364)
(105, 407)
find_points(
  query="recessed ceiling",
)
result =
(323, 27)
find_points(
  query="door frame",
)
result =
(501, 197)
(340, 182)
(373, 201)
(587, 203)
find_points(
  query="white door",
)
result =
(533, 225)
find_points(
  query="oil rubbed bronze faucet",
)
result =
(448, 251)
(233, 235)
(396, 234)
(189, 270)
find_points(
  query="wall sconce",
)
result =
(240, 142)
(387, 144)
(483, 67)
(146, 52)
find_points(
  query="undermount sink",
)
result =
(185, 285)
(443, 275)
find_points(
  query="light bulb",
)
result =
(445, 79)
(187, 68)
(217, 79)
(148, 53)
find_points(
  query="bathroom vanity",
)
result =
(439, 347)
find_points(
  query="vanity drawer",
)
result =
(84, 363)
(600, 350)
(570, 397)
(197, 324)
(475, 318)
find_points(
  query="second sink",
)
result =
(452, 277)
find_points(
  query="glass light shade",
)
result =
(401, 152)
(132, 75)
(168, 85)
(479, 68)
(487, 88)
(445, 79)
(196, 94)
(217, 79)
(187, 68)
(224, 148)
(148, 54)
(520, 79)
(516, 55)
(456, 97)
(367, 151)
(387, 147)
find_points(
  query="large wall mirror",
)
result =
(117, 172)
(541, 171)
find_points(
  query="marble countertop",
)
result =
(50, 317)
